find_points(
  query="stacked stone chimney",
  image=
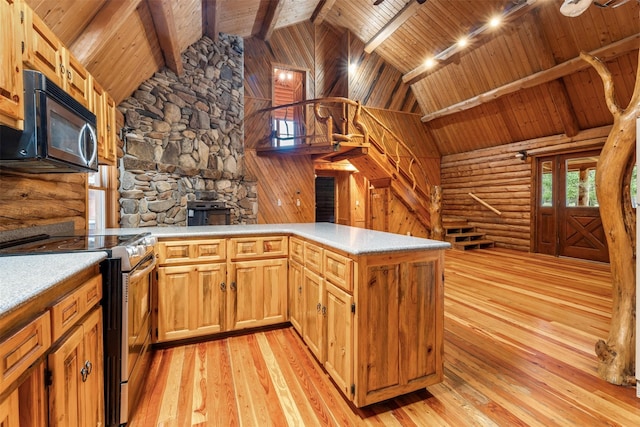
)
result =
(184, 137)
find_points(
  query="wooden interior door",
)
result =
(567, 216)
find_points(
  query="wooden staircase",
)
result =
(463, 236)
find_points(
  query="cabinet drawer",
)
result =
(313, 257)
(20, 350)
(296, 250)
(337, 270)
(68, 311)
(181, 251)
(258, 247)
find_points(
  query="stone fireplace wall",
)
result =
(184, 137)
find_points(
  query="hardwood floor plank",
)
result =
(520, 331)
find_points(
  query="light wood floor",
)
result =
(519, 336)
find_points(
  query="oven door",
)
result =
(136, 327)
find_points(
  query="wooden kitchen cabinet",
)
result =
(44, 52)
(257, 294)
(104, 109)
(399, 324)
(191, 288)
(296, 295)
(9, 411)
(76, 393)
(11, 82)
(191, 300)
(327, 329)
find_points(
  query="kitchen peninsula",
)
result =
(368, 304)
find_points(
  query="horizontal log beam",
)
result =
(165, 25)
(396, 22)
(566, 68)
(321, 11)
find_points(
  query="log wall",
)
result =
(27, 200)
(505, 182)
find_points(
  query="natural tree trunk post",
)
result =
(435, 207)
(617, 354)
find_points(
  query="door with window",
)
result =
(567, 216)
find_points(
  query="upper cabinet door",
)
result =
(42, 48)
(11, 96)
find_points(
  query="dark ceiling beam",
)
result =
(165, 24)
(210, 18)
(566, 68)
(409, 10)
(321, 11)
(102, 29)
(270, 19)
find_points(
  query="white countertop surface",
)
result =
(24, 277)
(353, 240)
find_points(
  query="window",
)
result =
(98, 209)
(288, 124)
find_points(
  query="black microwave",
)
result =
(59, 133)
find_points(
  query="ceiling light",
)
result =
(430, 63)
(463, 42)
(495, 22)
(282, 75)
(352, 68)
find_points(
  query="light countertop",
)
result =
(353, 240)
(24, 277)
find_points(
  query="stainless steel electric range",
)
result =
(127, 277)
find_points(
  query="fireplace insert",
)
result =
(207, 212)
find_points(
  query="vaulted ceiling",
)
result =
(520, 80)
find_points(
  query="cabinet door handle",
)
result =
(62, 71)
(299, 289)
(324, 311)
(89, 366)
(223, 287)
(319, 307)
(69, 75)
(233, 286)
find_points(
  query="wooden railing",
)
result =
(487, 205)
(336, 120)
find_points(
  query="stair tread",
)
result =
(469, 234)
(470, 244)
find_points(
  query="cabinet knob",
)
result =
(233, 286)
(62, 70)
(223, 287)
(324, 311)
(319, 307)
(299, 289)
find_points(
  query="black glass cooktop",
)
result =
(53, 244)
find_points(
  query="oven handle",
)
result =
(147, 265)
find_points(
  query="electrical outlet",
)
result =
(279, 202)
(297, 202)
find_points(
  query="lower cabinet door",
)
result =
(296, 300)
(190, 300)
(257, 293)
(76, 393)
(314, 301)
(339, 337)
(9, 411)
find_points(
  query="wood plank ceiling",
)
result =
(515, 82)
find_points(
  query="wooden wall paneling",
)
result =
(376, 83)
(358, 190)
(403, 221)
(38, 199)
(286, 178)
(331, 58)
(66, 18)
(129, 59)
(505, 182)
(187, 15)
(343, 197)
